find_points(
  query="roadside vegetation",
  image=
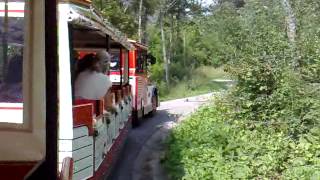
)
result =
(203, 80)
(268, 125)
(215, 143)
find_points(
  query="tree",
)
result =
(145, 9)
(116, 12)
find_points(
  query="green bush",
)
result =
(268, 125)
(213, 145)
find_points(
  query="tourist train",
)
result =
(144, 93)
(45, 131)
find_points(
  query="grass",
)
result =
(200, 83)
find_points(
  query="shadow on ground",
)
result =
(137, 138)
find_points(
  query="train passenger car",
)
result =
(145, 94)
(91, 132)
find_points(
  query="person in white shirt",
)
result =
(91, 82)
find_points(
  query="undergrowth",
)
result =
(215, 144)
(268, 125)
(201, 81)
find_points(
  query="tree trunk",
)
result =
(171, 52)
(164, 51)
(291, 31)
(290, 20)
(140, 21)
(184, 48)
(101, 5)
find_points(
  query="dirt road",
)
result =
(140, 159)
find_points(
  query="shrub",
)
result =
(213, 145)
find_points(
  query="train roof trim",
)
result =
(83, 13)
(83, 2)
(138, 44)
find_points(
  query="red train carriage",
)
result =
(89, 136)
(145, 94)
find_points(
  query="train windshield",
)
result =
(12, 29)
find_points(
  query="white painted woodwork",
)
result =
(82, 170)
(65, 105)
(81, 142)
(112, 127)
(100, 142)
(82, 164)
(80, 131)
(82, 153)
(83, 174)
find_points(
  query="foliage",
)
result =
(268, 126)
(212, 144)
(307, 12)
(115, 12)
(125, 14)
(201, 82)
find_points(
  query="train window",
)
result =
(12, 31)
(115, 61)
(140, 62)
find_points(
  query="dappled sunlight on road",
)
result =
(145, 146)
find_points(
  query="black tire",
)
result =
(135, 119)
(154, 102)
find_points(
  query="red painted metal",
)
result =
(132, 59)
(13, 11)
(83, 116)
(11, 108)
(15, 170)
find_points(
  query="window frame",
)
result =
(26, 125)
(28, 140)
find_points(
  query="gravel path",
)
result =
(144, 148)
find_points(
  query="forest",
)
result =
(176, 32)
(267, 126)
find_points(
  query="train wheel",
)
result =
(135, 119)
(142, 110)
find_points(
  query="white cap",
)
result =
(104, 56)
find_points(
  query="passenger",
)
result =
(91, 82)
(11, 89)
(105, 58)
